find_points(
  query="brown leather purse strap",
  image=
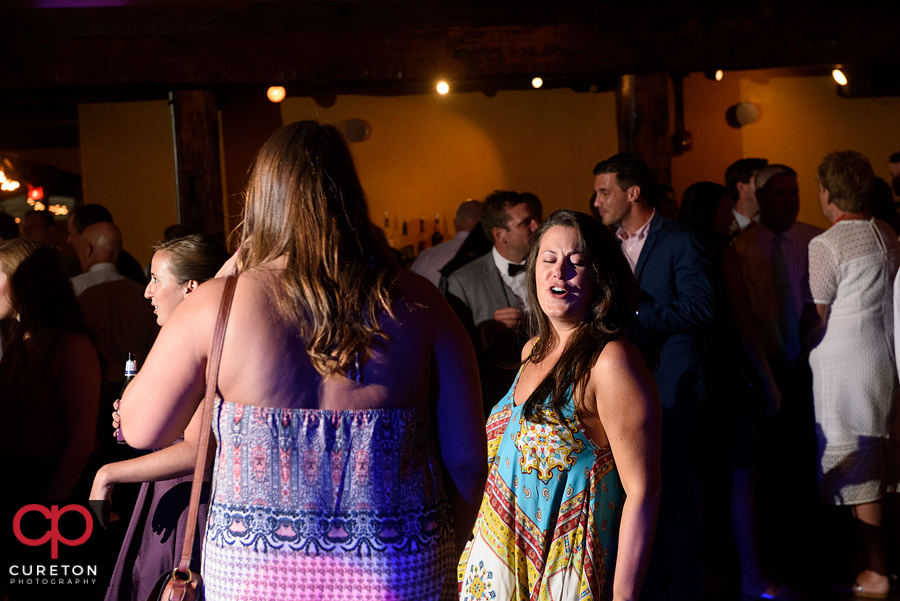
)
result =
(212, 378)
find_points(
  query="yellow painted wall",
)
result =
(715, 144)
(429, 153)
(802, 119)
(128, 166)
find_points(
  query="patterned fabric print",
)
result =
(327, 505)
(548, 523)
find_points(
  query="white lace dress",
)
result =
(851, 269)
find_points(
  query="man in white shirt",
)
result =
(489, 293)
(431, 260)
(113, 305)
(739, 179)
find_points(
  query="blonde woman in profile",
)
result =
(352, 452)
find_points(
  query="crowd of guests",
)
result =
(557, 409)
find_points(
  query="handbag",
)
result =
(181, 584)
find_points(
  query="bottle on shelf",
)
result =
(130, 372)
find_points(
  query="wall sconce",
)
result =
(716, 75)
(356, 130)
(742, 114)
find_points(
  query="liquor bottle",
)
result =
(130, 372)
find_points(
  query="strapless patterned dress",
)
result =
(313, 504)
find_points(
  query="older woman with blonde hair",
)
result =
(851, 274)
(351, 442)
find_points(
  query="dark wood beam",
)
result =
(197, 168)
(642, 108)
(323, 44)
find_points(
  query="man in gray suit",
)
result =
(489, 293)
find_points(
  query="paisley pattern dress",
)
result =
(314, 504)
(549, 520)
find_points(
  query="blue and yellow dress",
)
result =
(549, 521)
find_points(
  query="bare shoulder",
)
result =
(528, 347)
(618, 356)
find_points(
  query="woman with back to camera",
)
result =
(852, 266)
(351, 442)
(49, 376)
(573, 490)
(154, 539)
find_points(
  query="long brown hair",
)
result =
(608, 318)
(304, 202)
(40, 293)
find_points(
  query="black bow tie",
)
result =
(514, 269)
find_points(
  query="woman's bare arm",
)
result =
(462, 441)
(163, 397)
(78, 369)
(627, 404)
(172, 462)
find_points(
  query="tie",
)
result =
(789, 332)
(514, 269)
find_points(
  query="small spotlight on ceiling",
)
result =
(715, 75)
(537, 82)
(276, 93)
(443, 87)
(839, 76)
(719, 75)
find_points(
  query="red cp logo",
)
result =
(53, 534)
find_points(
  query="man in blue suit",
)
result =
(671, 268)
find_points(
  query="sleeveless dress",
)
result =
(155, 537)
(549, 521)
(852, 267)
(315, 504)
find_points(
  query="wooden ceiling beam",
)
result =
(329, 44)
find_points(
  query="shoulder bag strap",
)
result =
(212, 377)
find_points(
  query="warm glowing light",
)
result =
(839, 77)
(58, 209)
(537, 82)
(39, 206)
(30, 201)
(7, 185)
(443, 87)
(719, 75)
(35, 193)
(18, 220)
(276, 93)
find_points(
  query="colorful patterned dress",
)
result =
(549, 521)
(313, 504)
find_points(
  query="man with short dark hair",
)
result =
(676, 304)
(740, 183)
(489, 293)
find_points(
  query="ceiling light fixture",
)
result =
(839, 76)
(443, 87)
(276, 93)
(537, 82)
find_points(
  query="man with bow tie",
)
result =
(489, 293)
